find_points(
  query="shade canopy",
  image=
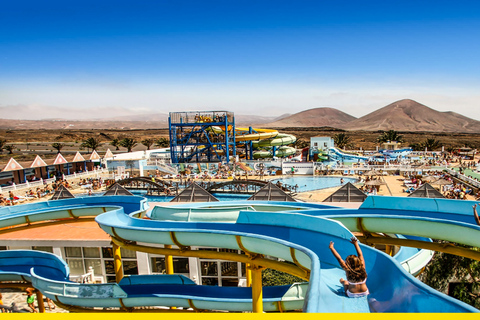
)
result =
(347, 193)
(271, 192)
(194, 193)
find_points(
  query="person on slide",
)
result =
(355, 285)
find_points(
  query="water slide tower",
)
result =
(201, 136)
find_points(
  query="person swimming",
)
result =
(354, 265)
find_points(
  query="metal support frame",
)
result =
(229, 256)
(257, 289)
(184, 133)
(449, 248)
(117, 261)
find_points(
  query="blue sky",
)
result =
(90, 58)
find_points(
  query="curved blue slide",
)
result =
(299, 233)
(336, 154)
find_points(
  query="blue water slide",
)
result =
(336, 154)
(299, 233)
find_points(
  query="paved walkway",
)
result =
(17, 296)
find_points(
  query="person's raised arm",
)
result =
(475, 214)
(354, 241)
(337, 256)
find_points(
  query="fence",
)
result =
(42, 182)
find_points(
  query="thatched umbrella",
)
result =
(375, 183)
(429, 178)
(377, 154)
(441, 182)
(372, 173)
(423, 167)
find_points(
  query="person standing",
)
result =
(31, 299)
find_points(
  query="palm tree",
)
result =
(3, 142)
(147, 143)
(162, 142)
(341, 140)
(390, 135)
(58, 146)
(416, 146)
(91, 143)
(9, 148)
(116, 143)
(128, 143)
(431, 144)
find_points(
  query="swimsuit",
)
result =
(357, 294)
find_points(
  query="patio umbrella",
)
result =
(377, 154)
(429, 178)
(423, 167)
(372, 173)
(441, 182)
(375, 183)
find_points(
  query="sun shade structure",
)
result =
(271, 193)
(426, 191)
(347, 193)
(62, 193)
(117, 190)
(194, 193)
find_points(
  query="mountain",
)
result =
(318, 117)
(409, 115)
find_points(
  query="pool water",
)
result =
(310, 183)
(305, 183)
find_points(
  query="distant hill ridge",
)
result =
(409, 115)
(318, 117)
(402, 115)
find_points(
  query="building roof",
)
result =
(347, 193)
(59, 159)
(117, 190)
(78, 158)
(194, 193)
(74, 231)
(38, 162)
(270, 192)
(108, 154)
(12, 165)
(94, 155)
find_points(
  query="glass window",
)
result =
(209, 268)
(3, 248)
(40, 248)
(128, 253)
(209, 281)
(76, 266)
(109, 267)
(73, 252)
(96, 264)
(130, 267)
(91, 253)
(229, 269)
(180, 265)
(107, 252)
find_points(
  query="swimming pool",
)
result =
(305, 183)
(310, 183)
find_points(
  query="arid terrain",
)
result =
(414, 121)
(28, 143)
